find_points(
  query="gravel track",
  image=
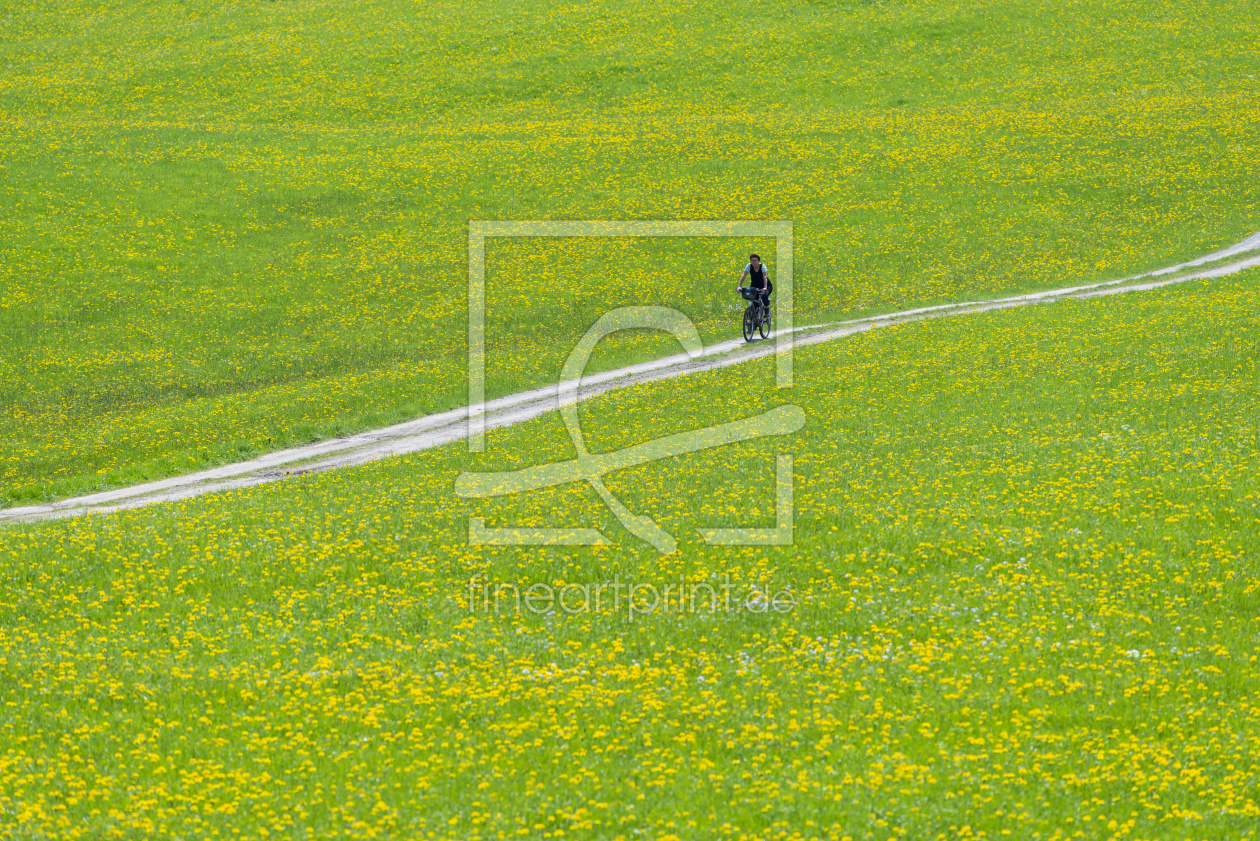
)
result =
(446, 427)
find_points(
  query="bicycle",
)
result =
(756, 314)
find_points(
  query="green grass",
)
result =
(1024, 565)
(232, 229)
(1024, 559)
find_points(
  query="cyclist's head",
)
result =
(754, 258)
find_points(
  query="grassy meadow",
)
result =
(1022, 591)
(235, 227)
(1020, 600)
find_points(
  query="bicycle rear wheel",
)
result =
(749, 324)
(763, 325)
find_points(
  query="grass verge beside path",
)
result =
(1024, 571)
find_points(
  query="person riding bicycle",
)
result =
(759, 278)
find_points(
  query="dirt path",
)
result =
(443, 428)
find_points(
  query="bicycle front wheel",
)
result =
(763, 326)
(749, 324)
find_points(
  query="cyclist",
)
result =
(759, 278)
